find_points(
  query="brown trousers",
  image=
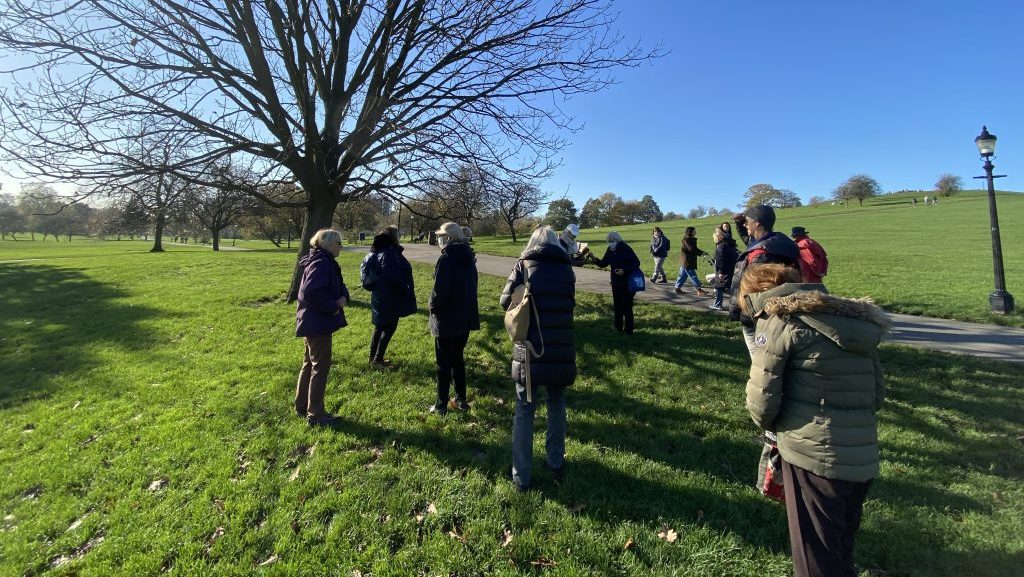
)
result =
(316, 363)
(823, 516)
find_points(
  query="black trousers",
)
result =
(451, 365)
(823, 516)
(382, 334)
(622, 299)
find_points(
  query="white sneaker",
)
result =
(714, 308)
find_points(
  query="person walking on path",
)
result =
(392, 293)
(766, 246)
(453, 313)
(816, 382)
(319, 314)
(725, 264)
(688, 262)
(813, 258)
(660, 245)
(623, 261)
(546, 269)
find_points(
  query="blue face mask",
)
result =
(612, 244)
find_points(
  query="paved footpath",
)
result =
(988, 341)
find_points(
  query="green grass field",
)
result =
(146, 428)
(933, 261)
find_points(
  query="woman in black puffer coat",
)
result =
(547, 269)
(453, 313)
(725, 263)
(392, 295)
(623, 261)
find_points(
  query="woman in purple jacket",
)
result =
(322, 299)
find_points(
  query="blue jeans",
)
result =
(522, 432)
(719, 294)
(685, 273)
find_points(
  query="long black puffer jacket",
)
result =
(453, 303)
(553, 286)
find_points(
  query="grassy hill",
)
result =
(933, 261)
(146, 429)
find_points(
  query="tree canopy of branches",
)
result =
(344, 97)
(948, 184)
(561, 213)
(764, 193)
(516, 201)
(218, 207)
(859, 187)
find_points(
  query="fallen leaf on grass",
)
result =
(668, 534)
(295, 473)
(29, 427)
(431, 509)
(158, 484)
(76, 524)
(88, 441)
(455, 535)
(506, 538)
(77, 404)
(217, 534)
(543, 562)
(270, 561)
(629, 544)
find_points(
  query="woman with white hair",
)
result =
(546, 269)
(320, 312)
(623, 261)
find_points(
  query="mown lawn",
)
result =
(933, 261)
(146, 427)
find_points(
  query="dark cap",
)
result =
(763, 214)
(798, 231)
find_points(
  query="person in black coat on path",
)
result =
(546, 269)
(392, 295)
(623, 261)
(725, 263)
(453, 313)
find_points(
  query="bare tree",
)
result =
(218, 207)
(516, 201)
(345, 97)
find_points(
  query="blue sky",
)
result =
(802, 95)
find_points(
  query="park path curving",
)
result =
(949, 336)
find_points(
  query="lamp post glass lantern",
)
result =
(1000, 301)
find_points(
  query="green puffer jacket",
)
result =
(816, 380)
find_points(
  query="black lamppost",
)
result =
(1000, 300)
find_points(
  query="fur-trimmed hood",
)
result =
(853, 324)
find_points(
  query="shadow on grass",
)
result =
(599, 490)
(51, 317)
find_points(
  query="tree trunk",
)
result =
(158, 233)
(216, 239)
(512, 229)
(319, 214)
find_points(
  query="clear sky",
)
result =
(801, 94)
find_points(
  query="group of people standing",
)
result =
(815, 380)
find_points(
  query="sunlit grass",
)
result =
(146, 426)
